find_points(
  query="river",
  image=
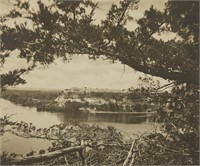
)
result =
(19, 145)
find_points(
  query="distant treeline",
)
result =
(45, 101)
(42, 100)
(34, 94)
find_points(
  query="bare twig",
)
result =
(130, 154)
(133, 159)
(66, 161)
(35, 136)
(165, 86)
(148, 37)
(82, 157)
(174, 151)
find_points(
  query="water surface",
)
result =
(12, 143)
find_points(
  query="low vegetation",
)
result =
(135, 100)
(71, 29)
(176, 143)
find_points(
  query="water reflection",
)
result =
(12, 143)
(29, 115)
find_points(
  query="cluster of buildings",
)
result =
(88, 90)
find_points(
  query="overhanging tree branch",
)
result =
(148, 37)
(180, 77)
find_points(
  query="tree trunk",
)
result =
(42, 157)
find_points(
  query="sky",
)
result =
(82, 72)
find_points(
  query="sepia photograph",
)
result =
(99, 82)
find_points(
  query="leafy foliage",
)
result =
(133, 101)
(178, 141)
(70, 29)
(100, 143)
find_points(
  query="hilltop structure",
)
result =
(102, 100)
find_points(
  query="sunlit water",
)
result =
(12, 143)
